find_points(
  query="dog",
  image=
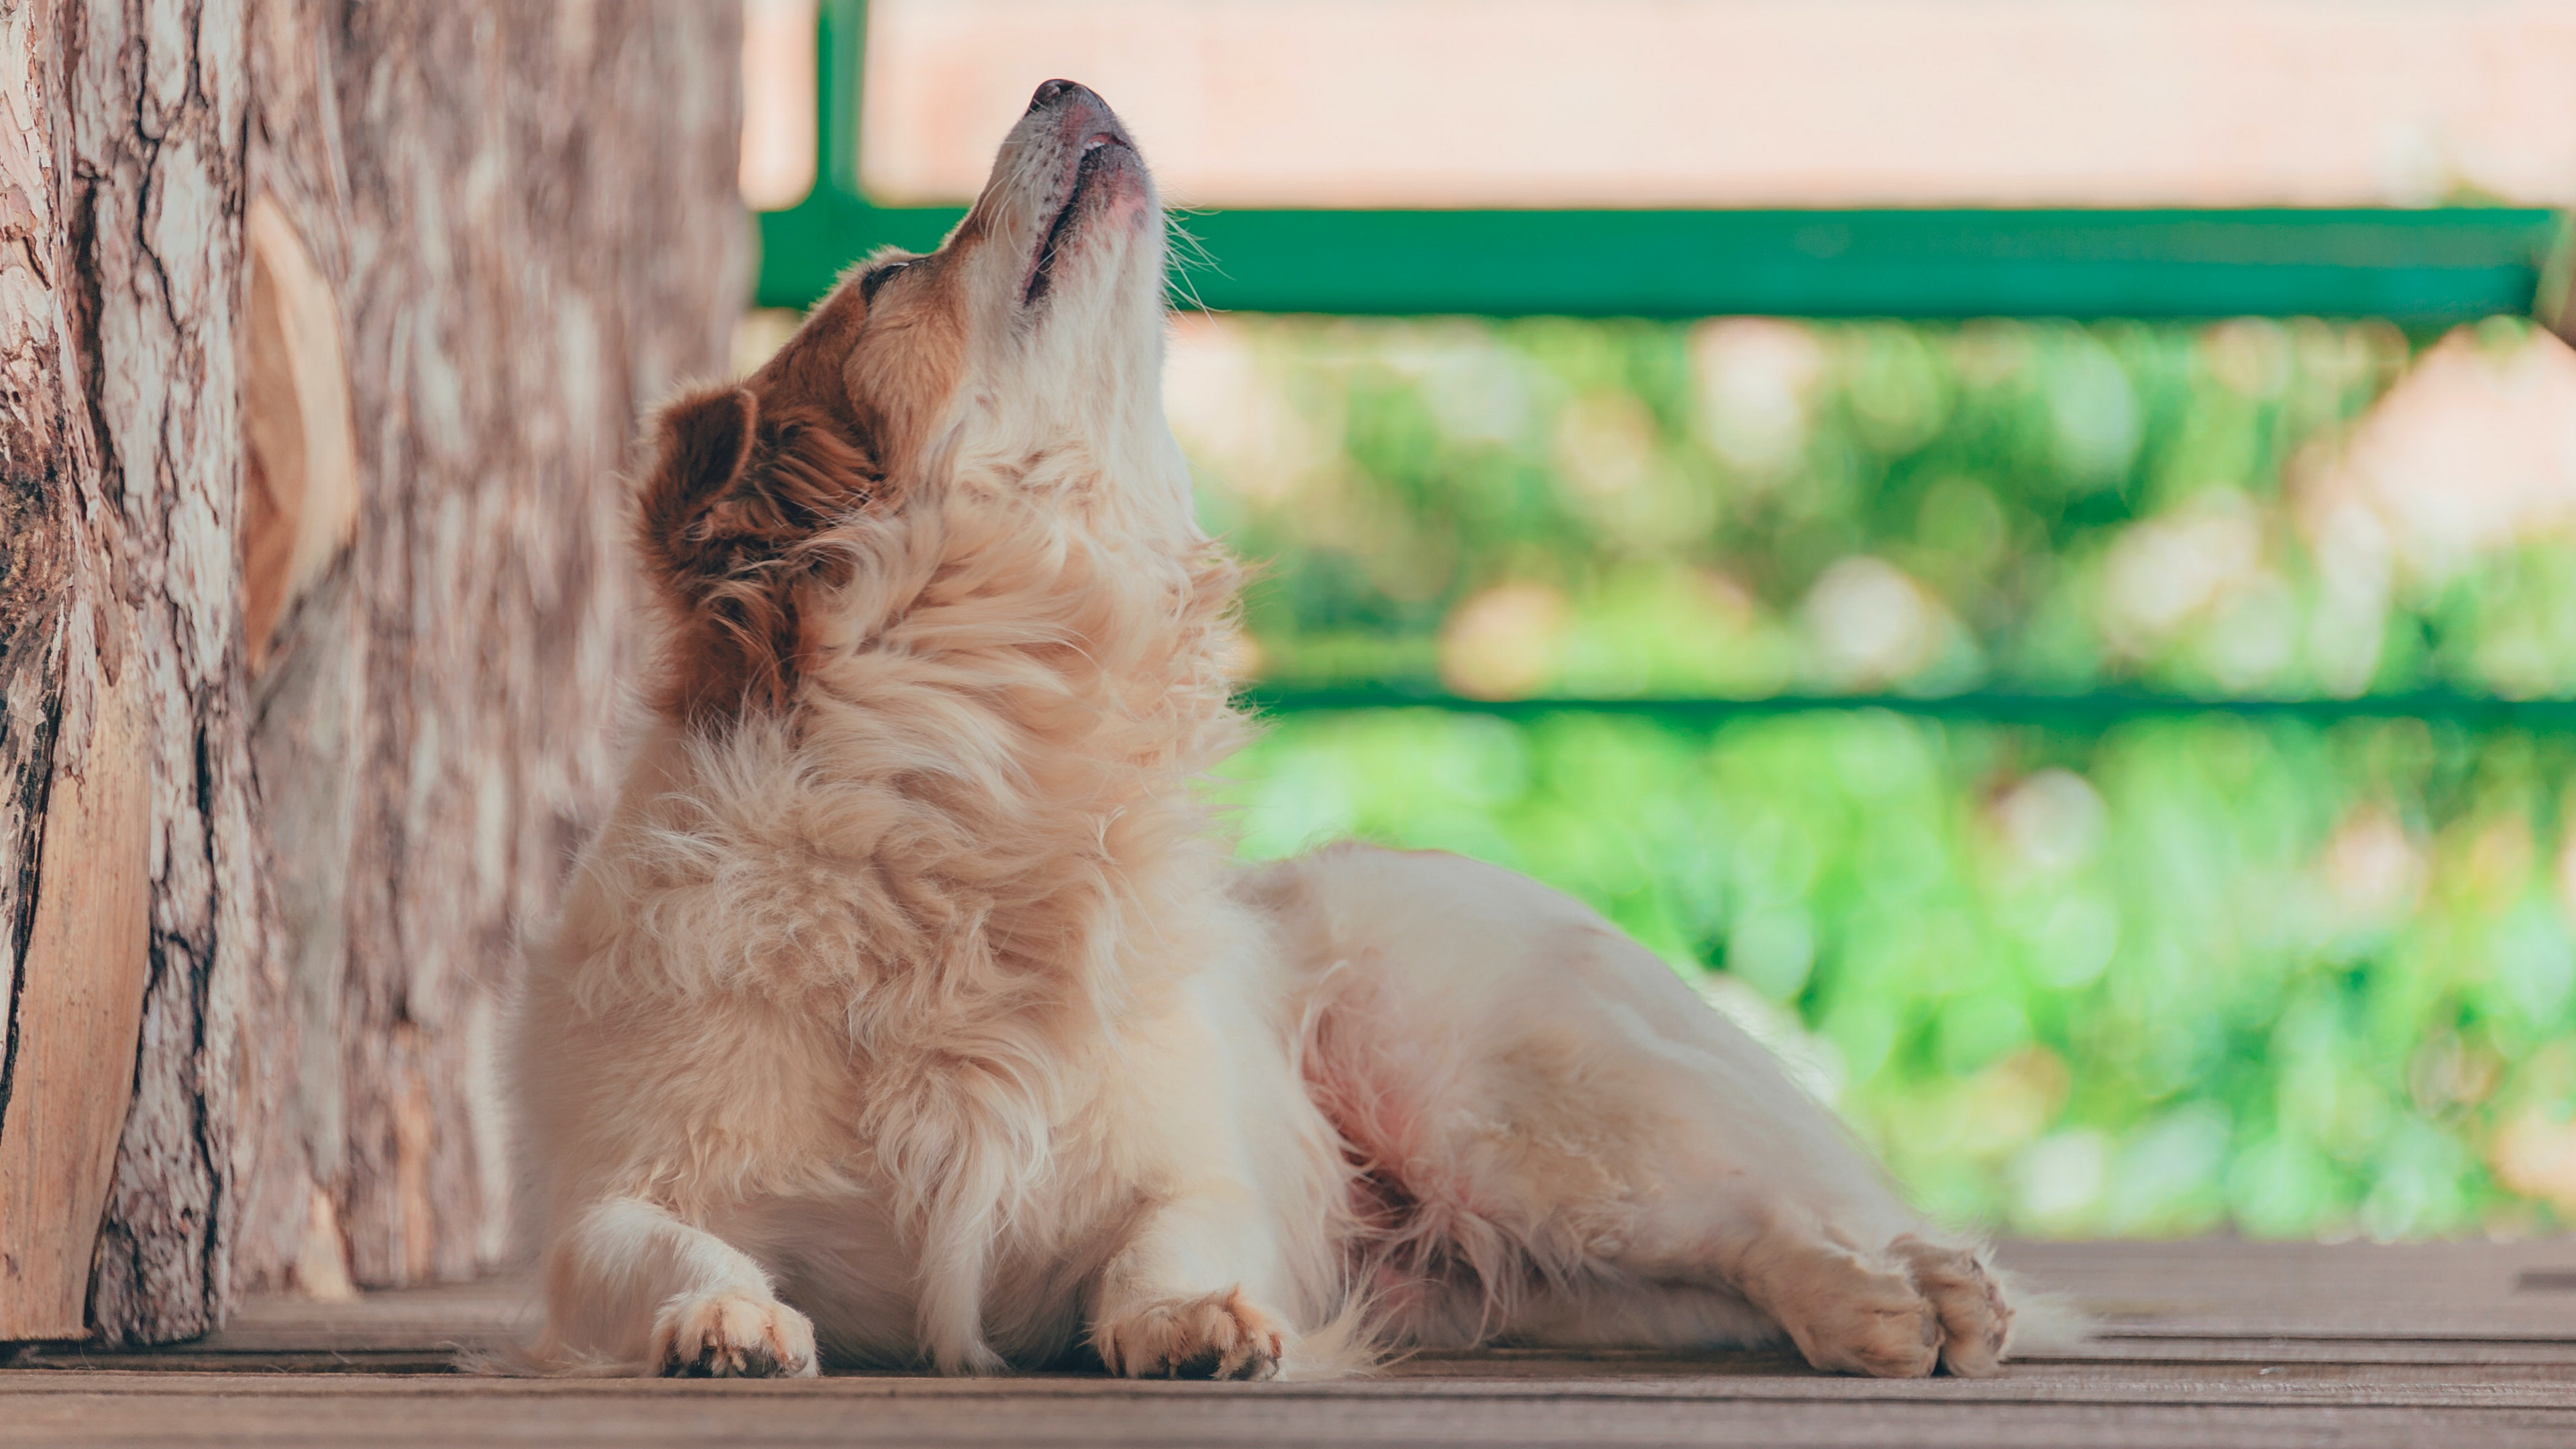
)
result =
(910, 1009)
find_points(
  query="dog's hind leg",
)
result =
(632, 1284)
(1577, 1141)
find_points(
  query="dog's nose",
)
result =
(1052, 92)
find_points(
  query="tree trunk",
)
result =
(131, 748)
(330, 330)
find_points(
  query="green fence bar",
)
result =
(2092, 710)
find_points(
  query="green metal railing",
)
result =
(2423, 269)
(2090, 710)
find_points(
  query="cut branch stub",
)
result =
(300, 480)
(81, 1014)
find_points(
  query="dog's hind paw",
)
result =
(1849, 1314)
(1917, 1307)
(1976, 1322)
(731, 1336)
(1219, 1336)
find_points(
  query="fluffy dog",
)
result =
(909, 1010)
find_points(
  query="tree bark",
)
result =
(128, 664)
(529, 213)
(483, 238)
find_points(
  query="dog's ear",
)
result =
(734, 491)
(727, 518)
(705, 444)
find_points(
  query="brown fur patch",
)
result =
(728, 521)
(749, 479)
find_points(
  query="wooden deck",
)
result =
(2201, 1344)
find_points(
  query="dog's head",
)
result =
(1033, 332)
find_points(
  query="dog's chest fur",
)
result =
(960, 907)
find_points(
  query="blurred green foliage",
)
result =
(2170, 975)
(1747, 506)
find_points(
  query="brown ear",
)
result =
(727, 517)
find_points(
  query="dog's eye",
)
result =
(878, 277)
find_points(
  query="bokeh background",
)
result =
(2125, 970)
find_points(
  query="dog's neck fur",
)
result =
(1038, 680)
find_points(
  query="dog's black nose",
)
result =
(1051, 92)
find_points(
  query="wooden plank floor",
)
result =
(2202, 1344)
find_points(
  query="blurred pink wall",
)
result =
(1747, 102)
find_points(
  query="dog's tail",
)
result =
(1352, 1343)
(2044, 1324)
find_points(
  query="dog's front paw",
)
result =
(731, 1336)
(1220, 1336)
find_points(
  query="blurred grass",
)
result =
(2170, 975)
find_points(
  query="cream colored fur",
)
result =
(926, 1020)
